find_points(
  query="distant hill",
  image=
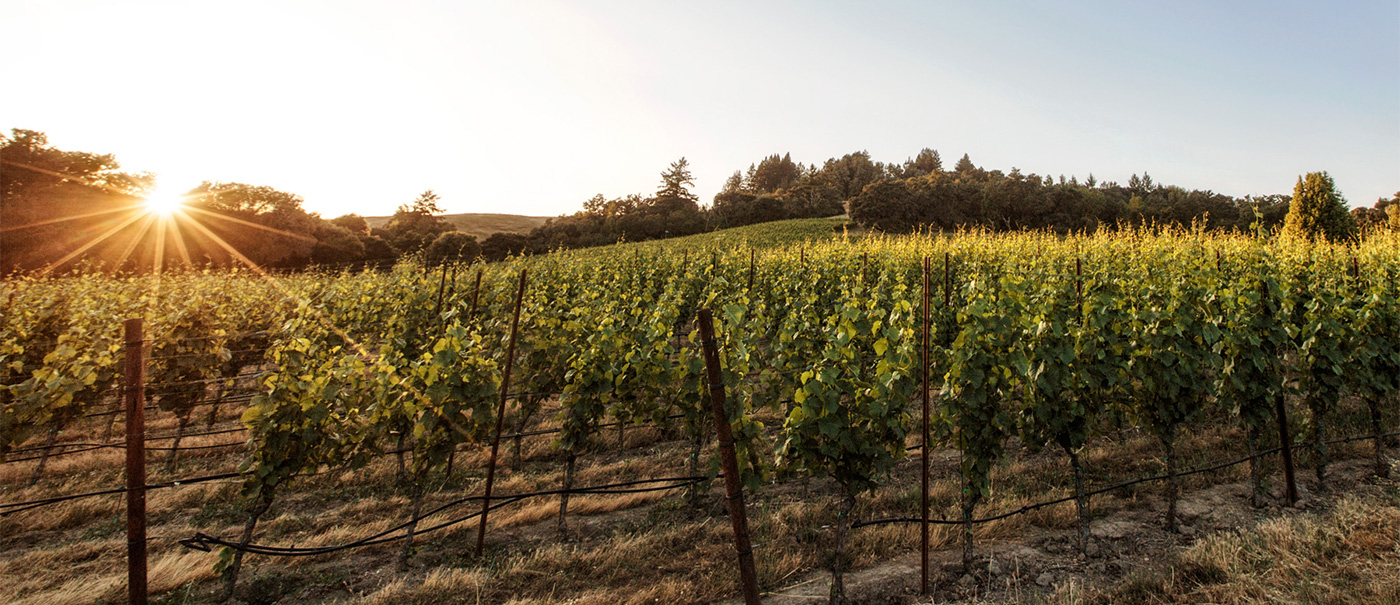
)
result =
(772, 234)
(481, 225)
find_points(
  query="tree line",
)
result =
(70, 207)
(61, 209)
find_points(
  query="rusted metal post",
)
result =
(734, 491)
(1079, 281)
(476, 293)
(442, 287)
(947, 279)
(500, 417)
(135, 462)
(1286, 450)
(753, 257)
(923, 498)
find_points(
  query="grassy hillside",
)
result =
(481, 225)
(763, 235)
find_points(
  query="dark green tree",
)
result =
(242, 199)
(927, 162)
(844, 178)
(353, 223)
(29, 165)
(1318, 210)
(500, 245)
(453, 246)
(734, 183)
(416, 224)
(49, 196)
(887, 206)
(1380, 215)
(965, 168)
(774, 174)
(675, 193)
(266, 225)
(336, 244)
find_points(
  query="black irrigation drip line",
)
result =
(1114, 487)
(19, 507)
(204, 542)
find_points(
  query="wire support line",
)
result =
(204, 542)
(191, 355)
(1114, 487)
(89, 447)
(148, 438)
(158, 340)
(119, 390)
(197, 404)
(151, 385)
(601, 426)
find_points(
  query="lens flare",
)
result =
(164, 203)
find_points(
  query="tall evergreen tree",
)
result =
(676, 182)
(674, 194)
(775, 173)
(733, 184)
(964, 165)
(1318, 210)
(926, 162)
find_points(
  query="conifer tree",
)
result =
(1318, 210)
(964, 165)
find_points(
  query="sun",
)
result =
(164, 202)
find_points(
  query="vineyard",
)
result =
(512, 427)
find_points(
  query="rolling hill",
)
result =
(481, 225)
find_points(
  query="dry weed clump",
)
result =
(1348, 555)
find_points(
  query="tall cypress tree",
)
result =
(1318, 210)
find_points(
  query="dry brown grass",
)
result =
(1350, 554)
(631, 548)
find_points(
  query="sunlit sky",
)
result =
(533, 107)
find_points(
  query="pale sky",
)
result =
(533, 107)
